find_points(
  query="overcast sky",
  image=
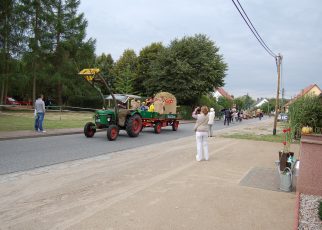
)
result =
(292, 28)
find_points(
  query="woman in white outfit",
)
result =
(201, 129)
(211, 115)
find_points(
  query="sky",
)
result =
(290, 28)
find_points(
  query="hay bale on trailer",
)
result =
(165, 103)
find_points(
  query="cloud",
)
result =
(289, 27)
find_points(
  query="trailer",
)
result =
(164, 113)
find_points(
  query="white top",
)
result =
(211, 117)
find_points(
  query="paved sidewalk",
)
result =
(159, 186)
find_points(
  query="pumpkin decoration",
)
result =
(307, 130)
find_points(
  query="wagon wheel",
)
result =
(112, 132)
(134, 125)
(157, 127)
(175, 125)
(89, 129)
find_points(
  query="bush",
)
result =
(306, 111)
(211, 103)
(185, 112)
(320, 210)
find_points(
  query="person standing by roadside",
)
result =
(227, 116)
(201, 129)
(40, 114)
(211, 121)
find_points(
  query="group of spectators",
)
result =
(232, 114)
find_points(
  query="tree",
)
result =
(125, 72)
(105, 64)
(68, 33)
(188, 68)
(147, 55)
(247, 101)
(239, 102)
(11, 32)
(36, 14)
(225, 103)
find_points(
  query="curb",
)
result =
(39, 135)
(297, 211)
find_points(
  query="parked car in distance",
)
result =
(282, 117)
(25, 102)
(11, 101)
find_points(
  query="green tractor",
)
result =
(112, 119)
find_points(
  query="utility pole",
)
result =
(278, 63)
(283, 93)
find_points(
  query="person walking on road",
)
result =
(201, 129)
(40, 114)
(227, 116)
(211, 121)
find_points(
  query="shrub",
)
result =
(185, 112)
(320, 210)
(306, 111)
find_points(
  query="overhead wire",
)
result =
(254, 31)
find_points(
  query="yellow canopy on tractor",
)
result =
(89, 74)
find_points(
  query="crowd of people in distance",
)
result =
(231, 115)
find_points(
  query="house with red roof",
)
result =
(220, 92)
(312, 89)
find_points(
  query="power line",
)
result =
(254, 31)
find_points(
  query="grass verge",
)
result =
(13, 121)
(249, 136)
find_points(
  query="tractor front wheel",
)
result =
(134, 125)
(112, 132)
(89, 129)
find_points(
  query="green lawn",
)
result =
(12, 121)
(249, 136)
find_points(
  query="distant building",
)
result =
(310, 90)
(260, 102)
(220, 92)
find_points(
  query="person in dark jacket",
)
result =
(227, 116)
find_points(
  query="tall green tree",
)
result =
(225, 103)
(239, 102)
(105, 64)
(247, 101)
(188, 68)
(69, 31)
(36, 14)
(147, 56)
(11, 33)
(125, 70)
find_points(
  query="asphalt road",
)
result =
(25, 154)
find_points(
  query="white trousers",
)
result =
(202, 144)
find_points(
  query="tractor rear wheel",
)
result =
(112, 132)
(134, 125)
(89, 129)
(157, 127)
